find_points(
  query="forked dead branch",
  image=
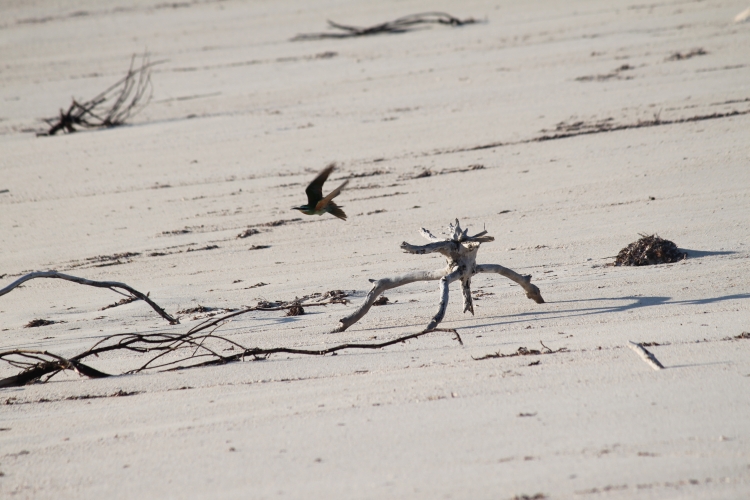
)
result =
(199, 346)
(112, 285)
(203, 346)
(400, 25)
(111, 108)
(460, 251)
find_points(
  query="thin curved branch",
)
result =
(41, 368)
(400, 25)
(51, 363)
(322, 352)
(99, 284)
(445, 282)
(381, 286)
(532, 291)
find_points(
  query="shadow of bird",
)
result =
(316, 203)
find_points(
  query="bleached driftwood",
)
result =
(460, 252)
(646, 355)
(99, 284)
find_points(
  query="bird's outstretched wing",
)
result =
(322, 203)
(315, 189)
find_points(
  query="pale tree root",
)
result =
(460, 251)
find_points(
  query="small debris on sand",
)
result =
(649, 250)
(381, 301)
(39, 322)
(295, 310)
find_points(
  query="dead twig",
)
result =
(202, 345)
(110, 108)
(99, 284)
(400, 25)
(646, 355)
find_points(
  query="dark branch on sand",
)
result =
(400, 25)
(110, 108)
(199, 346)
(112, 285)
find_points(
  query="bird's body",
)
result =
(317, 204)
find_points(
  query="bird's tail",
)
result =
(334, 209)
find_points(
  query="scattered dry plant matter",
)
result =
(460, 251)
(112, 107)
(649, 250)
(679, 56)
(36, 323)
(523, 351)
(400, 25)
(199, 346)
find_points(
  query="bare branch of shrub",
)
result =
(199, 346)
(111, 108)
(400, 25)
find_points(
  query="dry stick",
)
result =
(445, 282)
(100, 284)
(400, 25)
(322, 352)
(43, 367)
(532, 291)
(36, 364)
(460, 251)
(645, 355)
(381, 286)
(127, 94)
(165, 343)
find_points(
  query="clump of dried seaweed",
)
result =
(110, 108)
(649, 250)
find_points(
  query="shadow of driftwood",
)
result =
(631, 302)
(697, 254)
(693, 365)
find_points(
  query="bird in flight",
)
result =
(316, 203)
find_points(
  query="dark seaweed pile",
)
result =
(649, 250)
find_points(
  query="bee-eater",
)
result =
(316, 203)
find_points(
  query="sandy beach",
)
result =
(566, 130)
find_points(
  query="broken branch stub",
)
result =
(460, 251)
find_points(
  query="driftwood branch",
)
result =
(381, 286)
(110, 108)
(112, 285)
(199, 346)
(460, 251)
(445, 281)
(646, 355)
(532, 291)
(400, 25)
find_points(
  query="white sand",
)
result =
(424, 419)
